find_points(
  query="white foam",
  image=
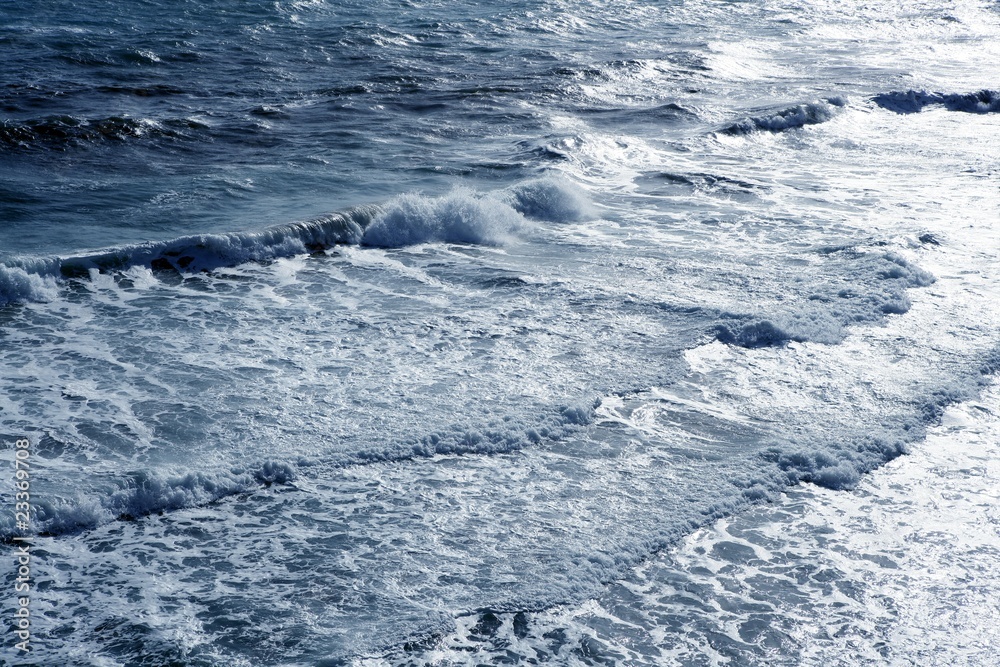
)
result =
(465, 216)
(811, 113)
(18, 285)
(459, 217)
(147, 493)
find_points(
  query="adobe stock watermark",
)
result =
(22, 544)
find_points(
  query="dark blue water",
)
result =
(132, 124)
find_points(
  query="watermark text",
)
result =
(22, 543)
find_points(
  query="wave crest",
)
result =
(798, 116)
(459, 217)
(464, 216)
(914, 101)
(18, 285)
(36, 279)
(205, 252)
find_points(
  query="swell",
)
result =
(65, 132)
(791, 118)
(914, 101)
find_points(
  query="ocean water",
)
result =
(557, 332)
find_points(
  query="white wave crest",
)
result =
(464, 216)
(18, 285)
(791, 118)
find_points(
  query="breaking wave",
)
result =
(791, 118)
(18, 285)
(141, 494)
(462, 216)
(913, 101)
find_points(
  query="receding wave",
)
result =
(835, 465)
(842, 469)
(791, 118)
(914, 101)
(837, 462)
(462, 216)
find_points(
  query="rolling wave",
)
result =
(791, 118)
(463, 216)
(914, 101)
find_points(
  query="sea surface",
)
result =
(545, 332)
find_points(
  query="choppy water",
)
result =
(407, 333)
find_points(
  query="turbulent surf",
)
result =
(551, 333)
